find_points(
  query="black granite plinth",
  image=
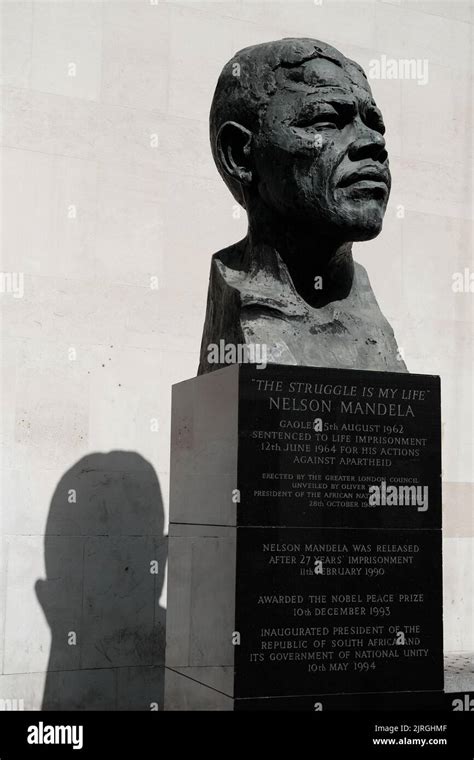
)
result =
(305, 541)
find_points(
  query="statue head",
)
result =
(296, 135)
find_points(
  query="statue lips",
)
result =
(367, 177)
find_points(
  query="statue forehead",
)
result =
(322, 78)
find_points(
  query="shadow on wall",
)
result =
(105, 557)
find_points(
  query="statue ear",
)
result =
(234, 150)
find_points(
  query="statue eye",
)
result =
(320, 121)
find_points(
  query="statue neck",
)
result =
(320, 268)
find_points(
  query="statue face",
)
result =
(320, 155)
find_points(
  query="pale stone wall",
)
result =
(108, 183)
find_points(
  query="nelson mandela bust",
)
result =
(299, 141)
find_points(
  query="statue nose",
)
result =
(370, 145)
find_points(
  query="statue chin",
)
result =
(365, 232)
(363, 227)
(344, 222)
(366, 224)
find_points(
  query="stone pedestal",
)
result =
(305, 541)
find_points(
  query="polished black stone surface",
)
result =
(338, 610)
(339, 572)
(375, 428)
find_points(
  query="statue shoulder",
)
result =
(230, 257)
(362, 280)
(361, 273)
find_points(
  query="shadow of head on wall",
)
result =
(105, 556)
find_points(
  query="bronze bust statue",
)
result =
(298, 139)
